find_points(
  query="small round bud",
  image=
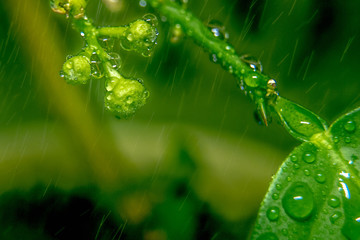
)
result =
(124, 96)
(140, 36)
(77, 70)
(75, 8)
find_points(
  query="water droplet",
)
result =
(151, 18)
(289, 179)
(336, 139)
(273, 213)
(320, 177)
(82, 34)
(275, 196)
(252, 62)
(115, 60)
(309, 157)
(142, 3)
(213, 58)
(96, 66)
(347, 139)
(107, 43)
(334, 201)
(307, 172)
(298, 201)
(350, 126)
(296, 166)
(268, 236)
(218, 29)
(278, 187)
(293, 158)
(177, 34)
(336, 216)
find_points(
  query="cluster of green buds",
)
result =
(123, 96)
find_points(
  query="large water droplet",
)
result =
(350, 126)
(334, 201)
(309, 157)
(252, 62)
(273, 213)
(298, 201)
(218, 29)
(268, 236)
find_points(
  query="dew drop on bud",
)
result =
(115, 60)
(218, 29)
(151, 19)
(96, 66)
(252, 62)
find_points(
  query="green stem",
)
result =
(201, 35)
(116, 32)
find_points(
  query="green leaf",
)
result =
(316, 192)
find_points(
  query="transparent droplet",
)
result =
(298, 201)
(320, 177)
(347, 139)
(293, 158)
(151, 18)
(309, 157)
(268, 236)
(142, 3)
(273, 213)
(107, 43)
(213, 58)
(275, 196)
(334, 217)
(350, 126)
(307, 172)
(115, 60)
(336, 139)
(252, 62)
(218, 30)
(96, 66)
(334, 201)
(278, 187)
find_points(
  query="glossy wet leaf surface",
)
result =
(316, 192)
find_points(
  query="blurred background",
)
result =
(193, 163)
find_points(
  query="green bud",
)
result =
(124, 96)
(77, 70)
(75, 8)
(140, 36)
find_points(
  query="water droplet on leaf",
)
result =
(275, 196)
(334, 201)
(334, 217)
(293, 158)
(298, 201)
(307, 172)
(320, 177)
(309, 157)
(273, 213)
(350, 126)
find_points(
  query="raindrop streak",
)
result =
(334, 202)
(349, 126)
(309, 157)
(268, 236)
(273, 213)
(298, 201)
